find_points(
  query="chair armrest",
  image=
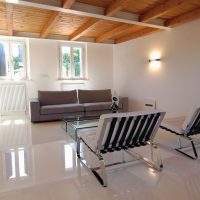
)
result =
(124, 102)
(34, 110)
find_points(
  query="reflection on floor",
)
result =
(38, 161)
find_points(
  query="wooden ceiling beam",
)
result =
(115, 7)
(48, 26)
(111, 10)
(68, 3)
(84, 28)
(30, 4)
(162, 9)
(181, 19)
(141, 33)
(54, 18)
(9, 17)
(94, 18)
(112, 33)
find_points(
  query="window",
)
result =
(72, 62)
(12, 60)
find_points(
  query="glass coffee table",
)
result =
(72, 124)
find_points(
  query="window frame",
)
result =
(10, 75)
(72, 66)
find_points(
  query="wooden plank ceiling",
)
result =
(47, 22)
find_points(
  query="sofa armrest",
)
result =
(124, 102)
(34, 110)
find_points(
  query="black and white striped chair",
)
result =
(188, 130)
(122, 131)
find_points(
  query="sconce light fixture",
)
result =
(154, 61)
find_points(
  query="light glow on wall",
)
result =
(154, 61)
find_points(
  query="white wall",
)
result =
(100, 66)
(44, 64)
(176, 85)
(125, 67)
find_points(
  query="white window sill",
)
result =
(13, 80)
(73, 81)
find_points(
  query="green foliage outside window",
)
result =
(16, 64)
(66, 63)
(18, 61)
(77, 62)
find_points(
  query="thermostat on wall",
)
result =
(149, 104)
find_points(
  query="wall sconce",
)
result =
(154, 60)
(154, 64)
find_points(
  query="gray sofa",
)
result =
(53, 105)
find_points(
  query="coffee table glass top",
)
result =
(72, 124)
(79, 118)
(84, 124)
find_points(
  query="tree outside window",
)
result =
(77, 61)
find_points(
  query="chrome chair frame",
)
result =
(189, 129)
(135, 129)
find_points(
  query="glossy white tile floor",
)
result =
(38, 161)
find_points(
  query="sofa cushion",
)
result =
(61, 108)
(57, 97)
(97, 106)
(100, 106)
(93, 96)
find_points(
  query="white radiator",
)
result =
(12, 98)
(72, 86)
